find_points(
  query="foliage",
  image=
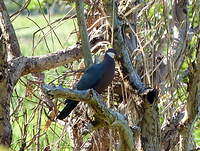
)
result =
(35, 4)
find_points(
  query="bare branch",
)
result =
(178, 48)
(25, 65)
(83, 33)
(21, 9)
(120, 45)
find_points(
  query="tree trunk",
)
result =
(150, 128)
(9, 49)
(5, 127)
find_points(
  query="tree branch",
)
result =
(149, 95)
(107, 117)
(120, 45)
(25, 65)
(182, 128)
(83, 33)
(9, 35)
(192, 105)
(178, 48)
(181, 125)
(180, 28)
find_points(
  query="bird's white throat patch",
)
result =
(112, 55)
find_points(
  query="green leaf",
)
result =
(36, 4)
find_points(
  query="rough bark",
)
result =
(12, 45)
(18, 66)
(5, 127)
(170, 132)
(25, 65)
(120, 45)
(150, 129)
(100, 140)
(9, 48)
(12, 71)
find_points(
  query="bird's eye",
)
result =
(112, 55)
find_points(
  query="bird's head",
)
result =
(111, 52)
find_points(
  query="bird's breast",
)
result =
(106, 78)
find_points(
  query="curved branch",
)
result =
(107, 117)
(149, 95)
(120, 45)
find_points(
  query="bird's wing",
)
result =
(91, 77)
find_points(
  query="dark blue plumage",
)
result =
(98, 77)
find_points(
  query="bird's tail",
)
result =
(67, 109)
